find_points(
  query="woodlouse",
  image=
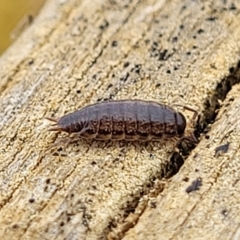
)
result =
(125, 119)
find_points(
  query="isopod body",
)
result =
(123, 119)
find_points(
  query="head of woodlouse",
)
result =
(68, 124)
(65, 124)
(181, 124)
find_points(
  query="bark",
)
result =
(80, 52)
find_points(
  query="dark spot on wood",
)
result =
(181, 26)
(155, 44)
(72, 195)
(153, 204)
(184, 7)
(147, 41)
(221, 149)
(224, 212)
(112, 224)
(111, 96)
(116, 159)
(126, 64)
(186, 179)
(195, 185)
(174, 39)
(162, 55)
(207, 137)
(136, 68)
(78, 91)
(168, 71)
(232, 7)
(31, 200)
(124, 78)
(104, 25)
(211, 18)
(200, 31)
(30, 62)
(114, 43)
(15, 226)
(109, 86)
(158, 85)
(48, 181)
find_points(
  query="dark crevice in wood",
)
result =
(213, 103)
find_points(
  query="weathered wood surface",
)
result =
(81, 52)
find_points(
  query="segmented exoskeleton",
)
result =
(128, 120)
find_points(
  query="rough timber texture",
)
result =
(81, 52)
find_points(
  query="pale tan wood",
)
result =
(213, 211)
(78, 52)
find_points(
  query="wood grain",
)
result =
(81, 52)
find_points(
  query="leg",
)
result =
(195, 112)
(190, 138)
(62, 142)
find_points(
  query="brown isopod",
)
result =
(128, 120)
